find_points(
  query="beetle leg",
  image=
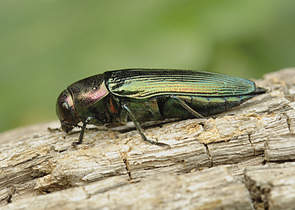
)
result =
(187, 107)
(83, 128)
(125, 107)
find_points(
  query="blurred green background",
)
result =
(47, 45)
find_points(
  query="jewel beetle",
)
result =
(139, 95)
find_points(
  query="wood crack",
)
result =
(288, 121)
(125, 161)
(209, 155)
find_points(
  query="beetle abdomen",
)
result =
(205, 106)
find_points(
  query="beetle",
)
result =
(139, 95)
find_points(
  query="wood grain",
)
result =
(243, 159)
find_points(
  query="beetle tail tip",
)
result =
(260, 90)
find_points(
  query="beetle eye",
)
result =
(66, 112)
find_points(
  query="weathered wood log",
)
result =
(228, 162)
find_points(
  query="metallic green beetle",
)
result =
(149, 95)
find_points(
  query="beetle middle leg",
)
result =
(131, 115)
(187, 107)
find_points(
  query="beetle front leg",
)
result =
(131, 115)
(83, 128)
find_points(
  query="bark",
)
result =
(242, 159)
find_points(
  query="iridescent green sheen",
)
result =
(144, 83)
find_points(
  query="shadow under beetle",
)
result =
(139, 95)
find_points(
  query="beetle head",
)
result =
(66, 111)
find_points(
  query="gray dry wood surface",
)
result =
(243, 159)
